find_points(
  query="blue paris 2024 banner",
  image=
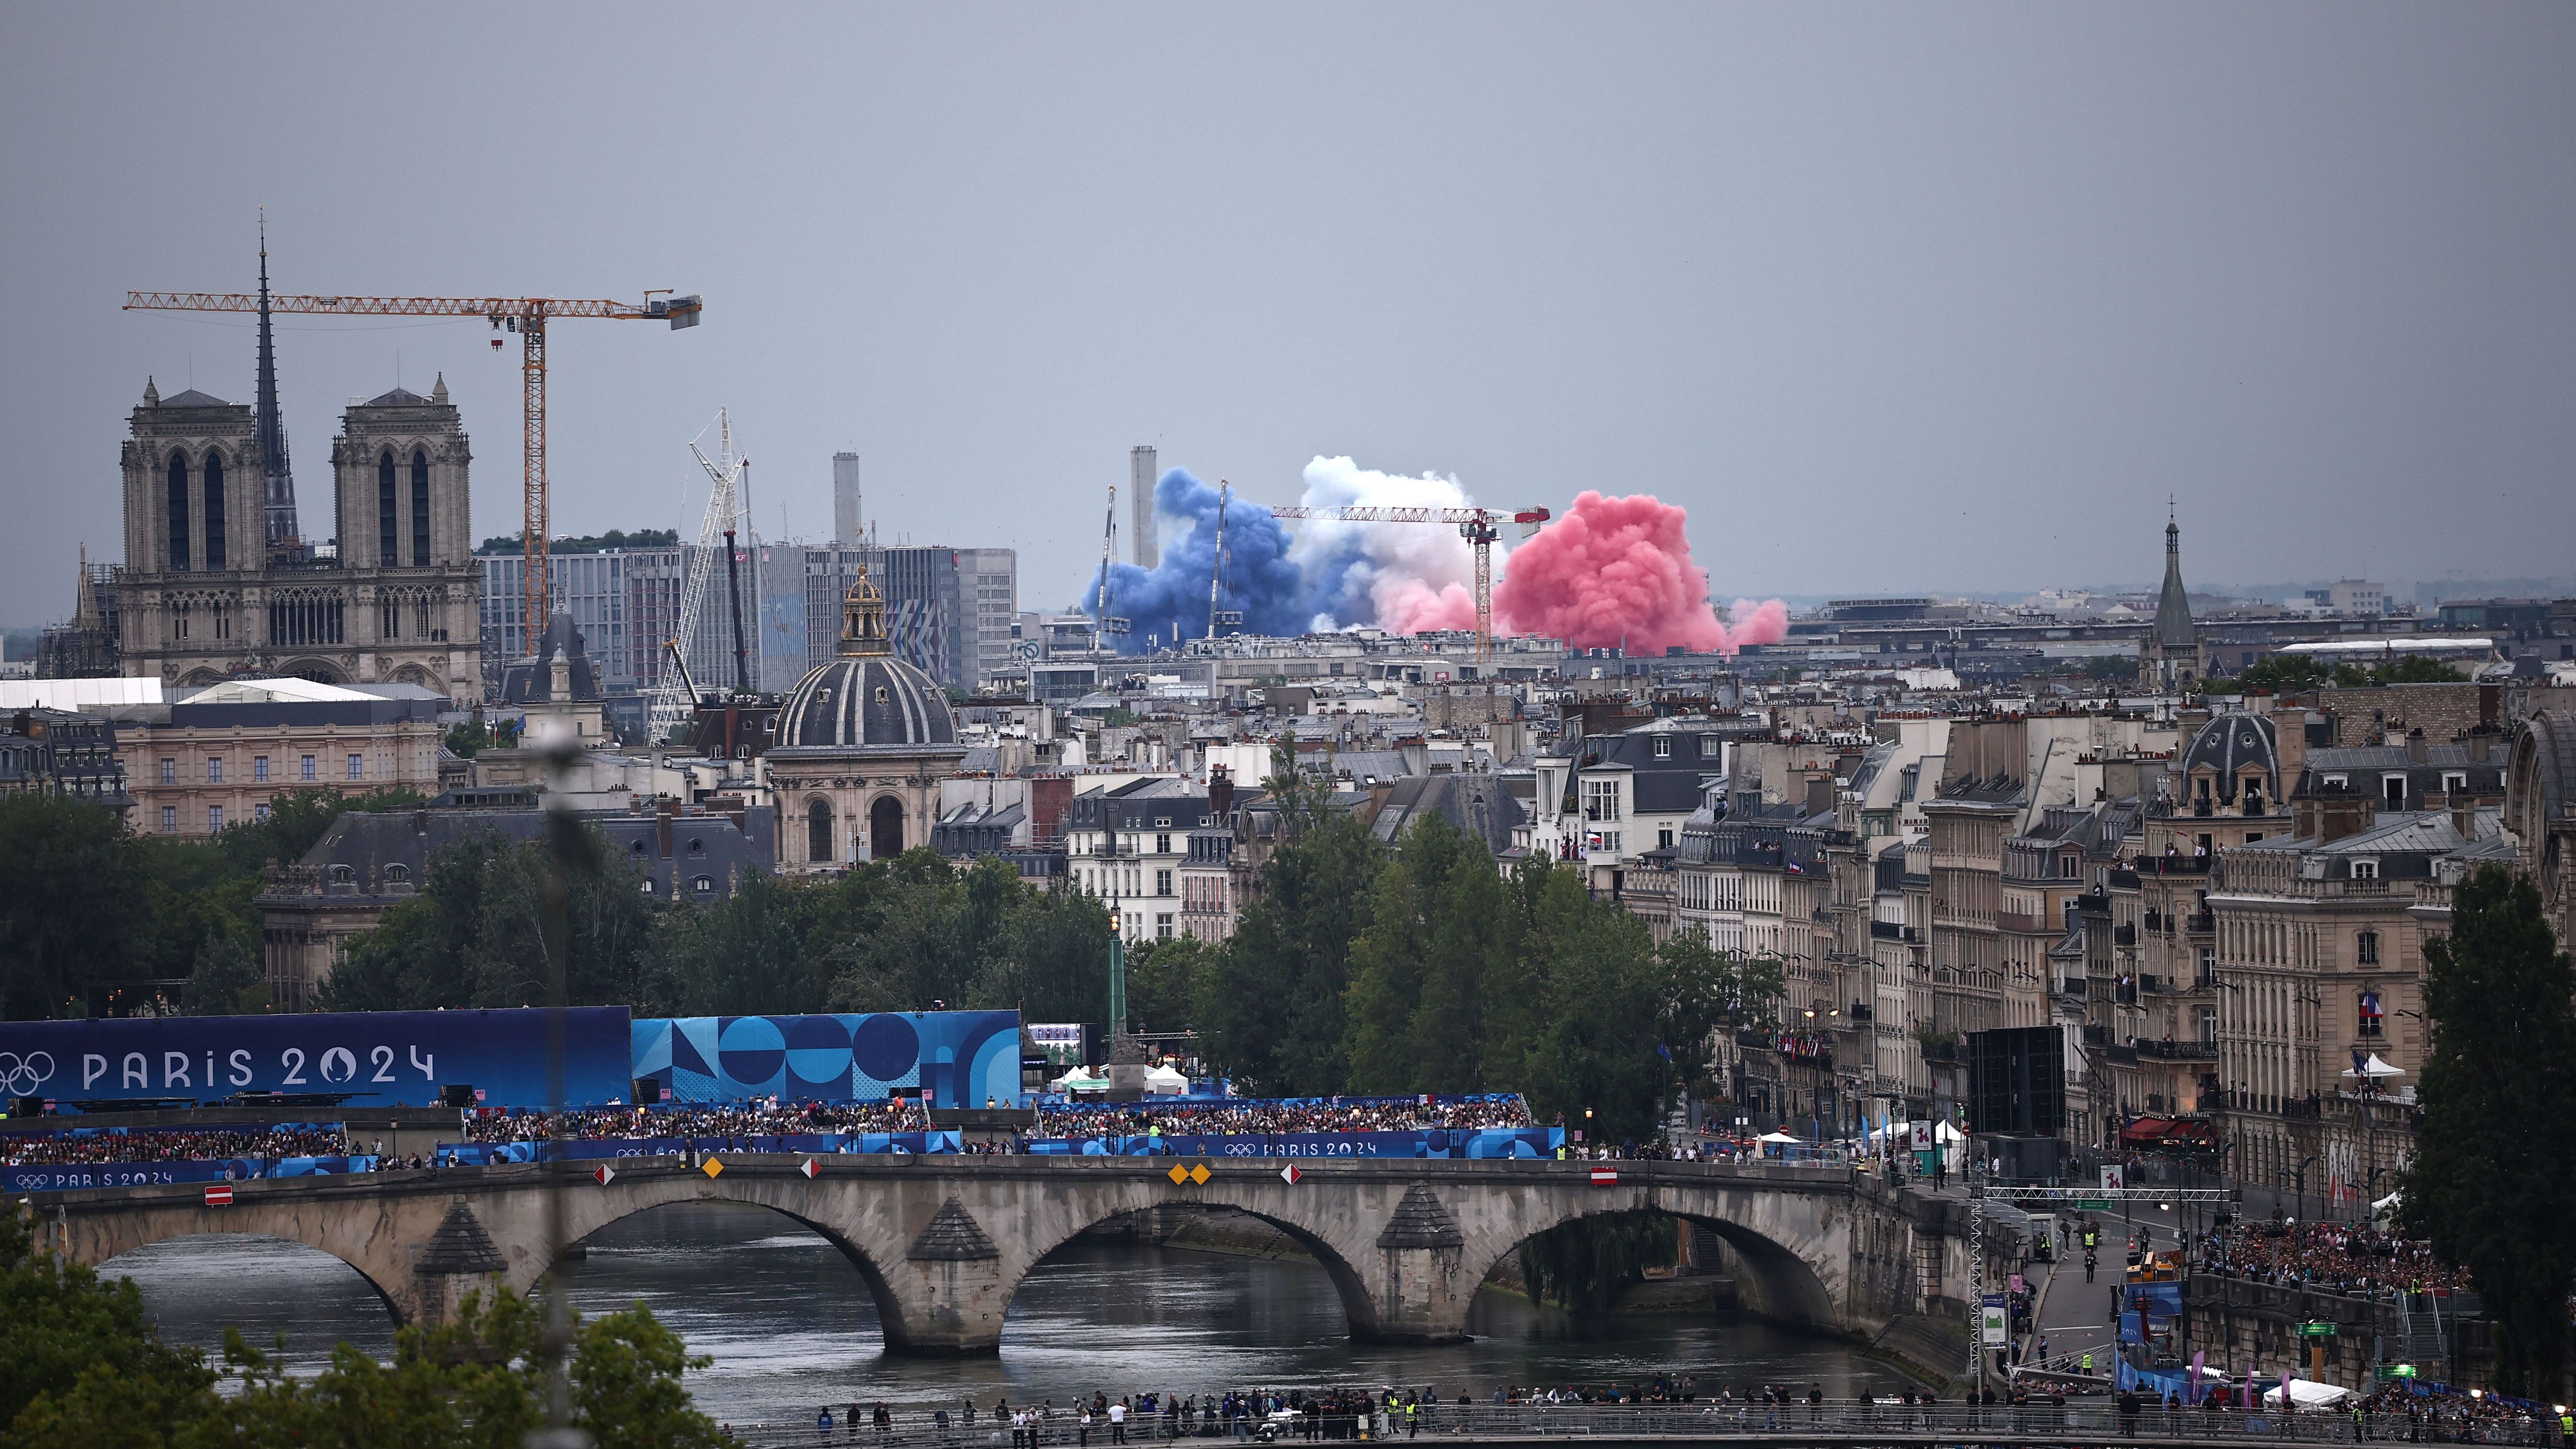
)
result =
(373, 1058)
(955, 1058)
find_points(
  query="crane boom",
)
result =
(523, 315)
(1476, 525)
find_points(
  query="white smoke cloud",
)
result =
(1405, 576)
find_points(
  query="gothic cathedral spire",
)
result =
(272, 428)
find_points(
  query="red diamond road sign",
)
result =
(219, 1194)
(604, 1174)
(811, 1169)
(1605, 1177)
(1290, 1174)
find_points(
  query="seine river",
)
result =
(790, 1325)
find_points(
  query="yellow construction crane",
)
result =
(527, 316)
(1476, 525)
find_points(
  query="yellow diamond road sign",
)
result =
(712, 1168)
(1178, 1174)
(1199, 1174)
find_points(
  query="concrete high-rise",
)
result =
(1141, 471)
(847, 523)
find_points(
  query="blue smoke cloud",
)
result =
(1170, 601)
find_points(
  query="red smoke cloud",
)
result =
(1616, 571)
(1410, 606)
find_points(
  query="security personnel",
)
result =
(2088, 1360)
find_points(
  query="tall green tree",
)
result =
(1278, 1023)
(742, 956)
(475, 935)
(2488, 1184)
(1054, 960)
(69, 880)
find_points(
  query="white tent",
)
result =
(2309, 1394)
(1076, 1081)
(2375, 1069)
(1165, 1082)
(2387, 1204)
(1781, 1137)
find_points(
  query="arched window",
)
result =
(397, 872)
(388, 547)
(214, 510)
(885, 829)
(420, 507)
(178, 513)
(344, 875)
(818, 832)
(703, 885)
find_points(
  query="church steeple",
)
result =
(272, 428)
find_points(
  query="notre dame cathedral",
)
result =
(219, 579)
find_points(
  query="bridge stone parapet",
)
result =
(943, 1242)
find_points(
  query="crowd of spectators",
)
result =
(1246, 1117)
(170, 1144)
(2452, 1417)
(2362, 1262)
(770, 1119)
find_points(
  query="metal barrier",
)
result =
(2084, 1421)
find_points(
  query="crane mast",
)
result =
(1216, 565)
(1476, 525)
(526, 316)
(1103, 623)
(675, 699)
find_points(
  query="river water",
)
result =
(791, 1327)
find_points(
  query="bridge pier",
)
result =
(1422, 1285)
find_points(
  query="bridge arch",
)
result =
(388, 1293)
(592, 1213)
(1779, 1274)
(1358, 1305)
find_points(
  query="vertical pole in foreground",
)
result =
(566, 845)
(532, 377)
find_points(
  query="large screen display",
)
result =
(955, 1058)
(372, 1058)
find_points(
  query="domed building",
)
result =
(863, 743)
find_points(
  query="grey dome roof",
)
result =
(2228, 743)
(873, 701)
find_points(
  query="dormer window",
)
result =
(397, 873)
(2365, 870)
(344, 875)
(703, 885)
(697, 846)
(1663, 747)
(882, 696)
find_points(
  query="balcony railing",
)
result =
(2179, 1051)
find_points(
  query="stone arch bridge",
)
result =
(943, 1242)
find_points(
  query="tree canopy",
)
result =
(86, 1368)
(2487, 1185)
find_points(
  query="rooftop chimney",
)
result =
(1820, 793)
(2416, 750)
(1220, 792)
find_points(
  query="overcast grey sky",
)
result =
(1891, 298)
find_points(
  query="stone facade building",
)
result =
(202, 595)
(198, 766)
(863, 744)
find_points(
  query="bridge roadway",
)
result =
(943, 1241)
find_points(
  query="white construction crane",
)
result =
(1103, 623)
(1476, 525)
(1216, 567)
(675, 700)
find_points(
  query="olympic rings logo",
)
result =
(21, 1076)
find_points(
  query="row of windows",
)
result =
(214, 817)
(307, 768)
(1105, 882)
